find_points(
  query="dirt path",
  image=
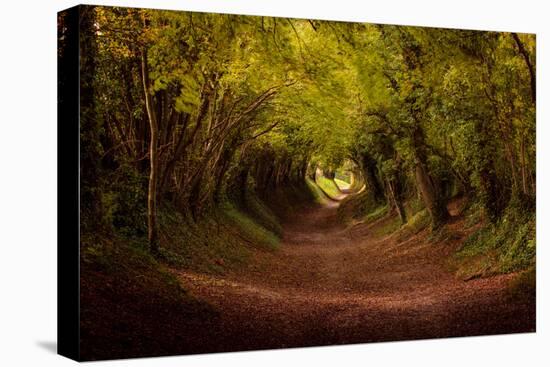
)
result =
(332, 285)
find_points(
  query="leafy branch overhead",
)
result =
(196, 102)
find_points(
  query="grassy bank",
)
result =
(506, 246)
(128, 301)
(483, 250)
(129, 298)
(329, 187)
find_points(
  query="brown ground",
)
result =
(325, 285)
(332, 285)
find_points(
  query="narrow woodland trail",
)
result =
(332, 285)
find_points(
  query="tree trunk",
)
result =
(523, 166)
(529, 65)
(432, 201)
(371, 181)
(153, 159)
(488, 181)
(430, 194)
(90, 133)
(395, 195)
(312, 171)
(218, 187)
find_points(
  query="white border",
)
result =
(28, 181)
